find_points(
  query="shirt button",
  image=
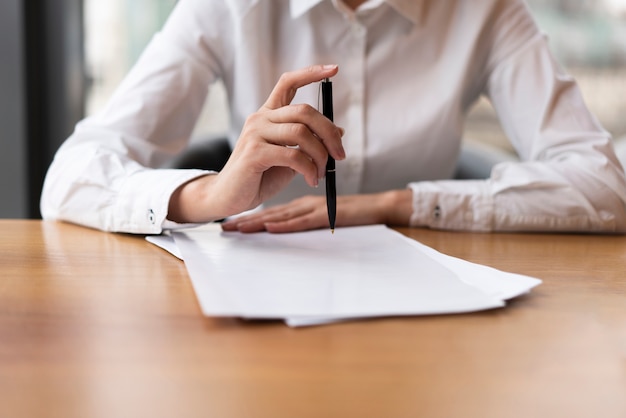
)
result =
(358, 30)
(151, 217)
(437, 212)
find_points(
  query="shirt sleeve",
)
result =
(104, 175)
(569, 178)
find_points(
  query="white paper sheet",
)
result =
(493, 282)
(315, 277)
(166, 242)
(496, 283)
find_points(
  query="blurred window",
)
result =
(116, 31)
(588, 38)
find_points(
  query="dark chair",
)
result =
(475, 160)
(209, 154)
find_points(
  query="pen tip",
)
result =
(332, 231)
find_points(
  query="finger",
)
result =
(305, 222)
(289, 83)
(250, 227)
(302, 223)
(321, 128)
(256, 221)
(297, 160)
(299, 137)
(263, 157)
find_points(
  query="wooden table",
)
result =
(105, 325)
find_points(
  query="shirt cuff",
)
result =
(142, 204)
(455, 205)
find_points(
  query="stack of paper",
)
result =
(316, 277)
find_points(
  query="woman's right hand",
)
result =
(277, 142)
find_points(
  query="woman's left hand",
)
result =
(309, 212)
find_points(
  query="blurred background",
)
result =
(62, 59)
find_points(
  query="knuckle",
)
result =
(248, 134)
(284, 77)
(296, 130)
(304, 109)
(254, 119)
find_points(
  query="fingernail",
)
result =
(244, 226)
(341, 131)
(230, 226)
(329, 66)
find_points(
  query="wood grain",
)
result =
(106, 325)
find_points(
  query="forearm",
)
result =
(533, 196)
(108, 191)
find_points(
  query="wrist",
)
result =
(191, 203)
(397, 207)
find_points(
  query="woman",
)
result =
(405, 75)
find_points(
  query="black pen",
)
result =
(331, 187)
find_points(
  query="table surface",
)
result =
(94, 324)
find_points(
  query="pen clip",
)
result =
(319, 97)
(320, 106)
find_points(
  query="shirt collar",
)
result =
(411, 9)
(300, 7)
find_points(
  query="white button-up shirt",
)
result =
(409, 71)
